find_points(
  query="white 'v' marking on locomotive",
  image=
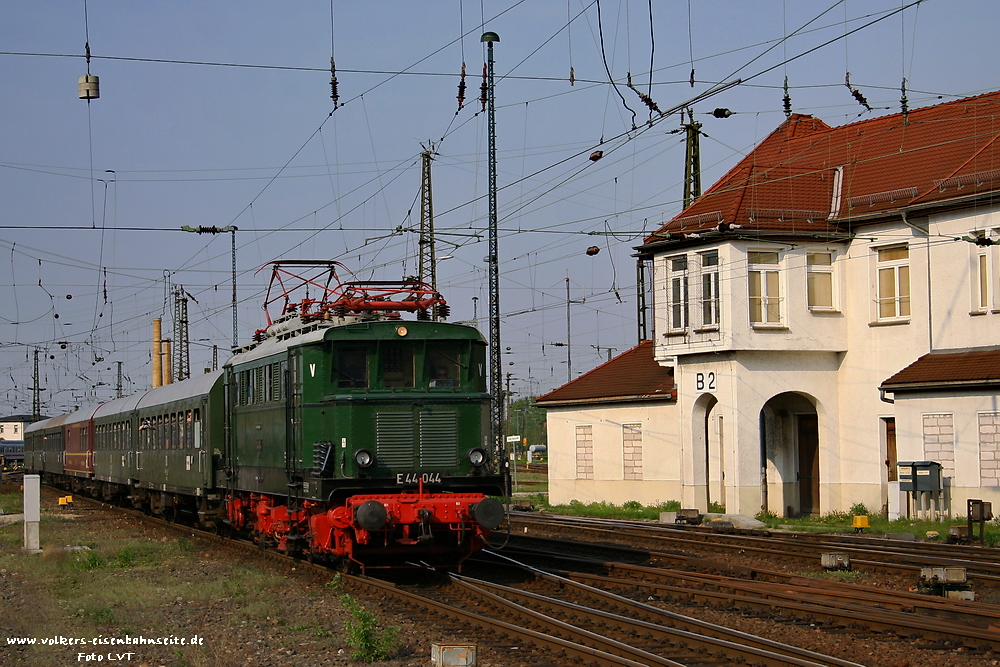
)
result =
(312, 370)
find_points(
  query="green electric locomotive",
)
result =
(342, 433)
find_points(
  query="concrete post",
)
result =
(32, 512)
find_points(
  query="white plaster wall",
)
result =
(660, 453)
(954, 280)
(965, 408)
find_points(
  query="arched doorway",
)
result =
(790, 451)
(708, 457)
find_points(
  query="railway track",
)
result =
(832, 606)
(864, 553)
(545, 619)
(622, 606)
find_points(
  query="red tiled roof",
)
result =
(631, 376)
(976, 366)
(787, 184)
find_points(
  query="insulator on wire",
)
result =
(461, 89)
(484, 89)
(334, 94)
(857, 94)
(572, 76)
(904, 103)
(646, 99)
(787, 101)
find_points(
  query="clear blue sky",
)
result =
(186, 132)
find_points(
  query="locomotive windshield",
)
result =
(351, 368)
(443, 366)
(397, 366)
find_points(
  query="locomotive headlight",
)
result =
(364, 458)
(477, 457)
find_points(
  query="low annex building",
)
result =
(829, 307)
(611, 426)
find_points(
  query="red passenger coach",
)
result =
(78, 436)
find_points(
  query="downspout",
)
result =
(882, 397)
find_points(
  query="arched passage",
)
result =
(707, 455)
(790, 450)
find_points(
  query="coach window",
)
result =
(397, 366)
(351, 368)
(196, 428)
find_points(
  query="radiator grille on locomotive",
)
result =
(397, 437)
(438, 439)
(394, 439)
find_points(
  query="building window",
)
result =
(677, 293)
(982, 289)
(819, 280)
(710, 289)
(765, 290)
(893, 279)
(983, 273)
(585, 452)
(632, 451)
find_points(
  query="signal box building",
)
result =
(829, 308)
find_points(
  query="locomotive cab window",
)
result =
(397, 366)
(351, 368)
(443, 366)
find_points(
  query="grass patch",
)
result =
(834, 522)
(631, 509)
(842, 522)
(12, 503)
(844, 576)
(369, 642)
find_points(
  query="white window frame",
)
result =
(815, 271)
(678, 293)
(897, 267)
(982, 275)
(768, 279)
(709, 299)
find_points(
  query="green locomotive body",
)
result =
(342, 432)
(412, 396)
